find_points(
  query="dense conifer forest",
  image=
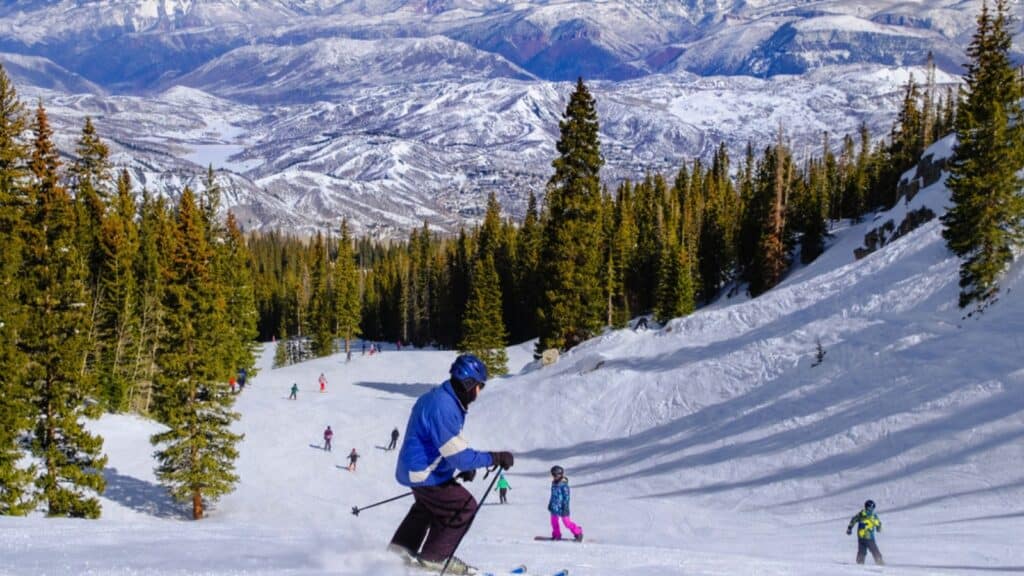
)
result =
(120, 302)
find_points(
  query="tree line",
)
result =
(122, 303)
(111, 303)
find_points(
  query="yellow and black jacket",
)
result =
(867, 524)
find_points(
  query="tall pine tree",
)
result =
(15, 481)
(987, 217)
(56, 341)
(571, 303)
(348, 299)
(196, 453)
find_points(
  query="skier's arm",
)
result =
(853, 521)
(447, 435)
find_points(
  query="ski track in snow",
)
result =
(710, 446)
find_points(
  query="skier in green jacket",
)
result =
(503, 488)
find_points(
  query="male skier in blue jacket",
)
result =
(432, 451)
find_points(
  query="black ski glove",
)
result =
(849, 531)
(502, 460)
(466, 475)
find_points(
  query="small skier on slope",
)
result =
(432, 450)
(558, 505)
(353, 456)
(867, 523)
(394, 440)
(503, 488)
(328, 435)
(323, 382)
(295, 391)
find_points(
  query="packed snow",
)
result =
(707, 446)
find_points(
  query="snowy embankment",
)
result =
(711, 446)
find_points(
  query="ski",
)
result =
(550, 539)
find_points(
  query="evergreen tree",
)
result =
(571, 302)
(156, 243)
(56, 341)
(349, 300)
(528, 248)
(237, 282)
(116, 314)
(675, 287)
(482, 327)
(196, 453)
(623, 245)
(15, 481)
(987, 218)
(320, 309)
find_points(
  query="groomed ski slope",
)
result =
(710, 446)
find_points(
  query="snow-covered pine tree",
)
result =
(56, 341)
(196, 454)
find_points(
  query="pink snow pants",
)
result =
(569, 524)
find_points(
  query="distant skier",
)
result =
(353, 456)
(232, 383)
(641, 324)
(503, 488)
(243, 377)
(867, 524)
(558, 505)
(295, 392)
(328, 434)
(394, 439)
(433, 449)
(323, 383)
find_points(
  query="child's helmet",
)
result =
(869, 505)
(557, 471)
(468, 371)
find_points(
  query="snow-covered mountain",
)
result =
(710, 446)
(392, 112)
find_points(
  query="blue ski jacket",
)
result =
(559, 502)
(434, 448)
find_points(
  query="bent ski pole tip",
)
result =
(355, 510)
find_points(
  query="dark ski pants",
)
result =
(502, 493)
(391, 446)
(441, 514)
(865, 544)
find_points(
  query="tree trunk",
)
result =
(197, 504)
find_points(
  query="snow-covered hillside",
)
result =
(709, 446)
(393, 112)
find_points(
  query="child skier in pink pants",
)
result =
(559, 506)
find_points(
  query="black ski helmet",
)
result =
(557, 470)
(869, 505)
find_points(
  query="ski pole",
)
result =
(471, 518)
(356, 509)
